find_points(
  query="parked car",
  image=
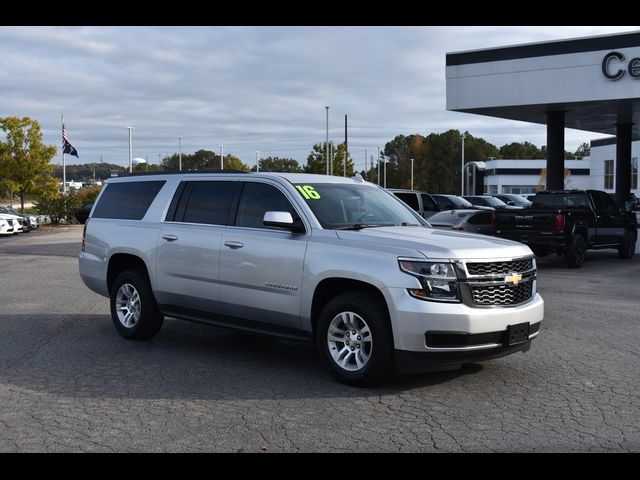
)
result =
(30, 221)
(6, 226)
(15, 220)
(513, 200)
(569, 222)
(474, 221)
(489, 201)
(83, 212)
(24, 223)
(337, 261)
(419, 201)
(453, 202)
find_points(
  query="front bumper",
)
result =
(415, 362)
(413, 319)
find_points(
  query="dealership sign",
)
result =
(612, 62)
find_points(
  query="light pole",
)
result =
(327, 141)
(221, 157)
(462, 168)
(257, 163)
(412, 174)
(180, 153)
(378, 162)
(130, 150)
(385, 170)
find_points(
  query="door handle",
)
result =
(234, 245)
(170, 238)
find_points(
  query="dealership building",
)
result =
(590, 84)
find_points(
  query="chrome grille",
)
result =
(500, 268)
(501, 294)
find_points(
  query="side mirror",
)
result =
(282, 220)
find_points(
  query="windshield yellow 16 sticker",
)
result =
(308, 192)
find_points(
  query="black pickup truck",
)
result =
(569, 222)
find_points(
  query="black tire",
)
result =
(627, 248)
(149, 319)
(576, 250)
(380, 364)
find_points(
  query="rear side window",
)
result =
(127, 200)
(428, 203)
(410, 199)
(560, 201)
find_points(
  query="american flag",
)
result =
(66, 146)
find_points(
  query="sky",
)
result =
(250, 88)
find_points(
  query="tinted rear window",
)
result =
(127, 200)
(560, 201)
(410, 199)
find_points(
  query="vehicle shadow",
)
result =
(83, 356)
(593, 259)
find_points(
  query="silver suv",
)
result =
(337, 261)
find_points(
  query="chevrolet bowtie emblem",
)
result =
(513, 278)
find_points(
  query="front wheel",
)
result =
(355, 339)
(134, 310)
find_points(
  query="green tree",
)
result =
(317, 160)
(524, 150)
(279, 164)
(584, 150)
(234, 163)
(25, 160)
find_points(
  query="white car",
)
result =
(6, 227)
(12, 223)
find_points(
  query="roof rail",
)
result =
(174, 172)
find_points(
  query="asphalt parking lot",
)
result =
(69, 382)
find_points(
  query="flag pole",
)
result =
(64, 166)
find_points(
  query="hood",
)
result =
(9, 216)
(434, 243)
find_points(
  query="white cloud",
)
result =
(251, 88)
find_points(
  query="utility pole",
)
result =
(257, 162)
(385, 170)
(221, 157)
(462, 168)
(130, 150)
(346, 146)
(412, 174)
(378, 162)
(180, 154)
(64, 163)
(326, 145)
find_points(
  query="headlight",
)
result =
(438, 280)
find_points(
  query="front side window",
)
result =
(347, 206)
(257, 199)
(428, 204)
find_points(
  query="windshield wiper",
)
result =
(360, 226)
(407, 224)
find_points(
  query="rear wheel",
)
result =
(355, 339)
(627, 248)
(576, 251)
(134, 310)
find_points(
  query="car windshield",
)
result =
(460, 202)
(341, 206)
(450, 217)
